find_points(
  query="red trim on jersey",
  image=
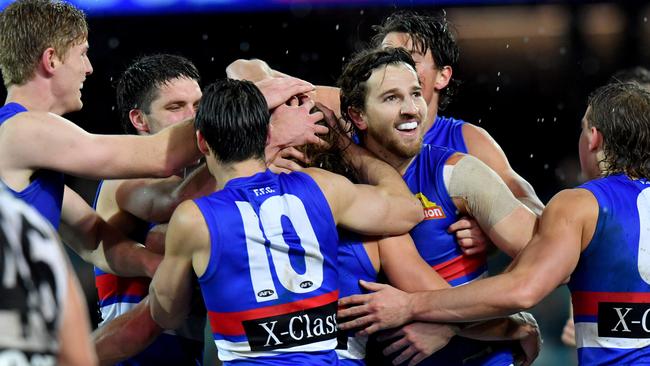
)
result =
(111, 285)
(460, 266)
(586, 303)
(230, 323)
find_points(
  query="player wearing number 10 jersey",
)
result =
(598, 233)
(264, 246)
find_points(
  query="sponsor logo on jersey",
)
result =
(431, 210)
(292, 329)
(623, 320)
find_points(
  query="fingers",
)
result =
(354, 311)
(462, 224)
(293, 153)
(390, 334)
(372, 286)
(417, 359)
(395, 346)
(281, 165)
(408, 353)
(358, 323)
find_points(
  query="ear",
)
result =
(357, 118)
(595, 139)
(443, 76)
(139, 120)
(49, 61)
(202, 144)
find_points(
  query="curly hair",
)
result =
(357, 72)
(428, 32)
(621, 112)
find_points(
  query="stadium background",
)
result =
(527, 68)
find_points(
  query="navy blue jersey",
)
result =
(45, 190)
(610, 286)
(271, 284)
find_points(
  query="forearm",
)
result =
(127, 335)
(163, 311)
(510, 328)
(472, 302)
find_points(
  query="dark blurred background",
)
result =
(527, 69)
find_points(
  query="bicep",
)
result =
(405, 268)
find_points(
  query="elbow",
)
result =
(526, 295)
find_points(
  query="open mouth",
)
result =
(407, 126)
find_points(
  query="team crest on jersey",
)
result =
(431, 210)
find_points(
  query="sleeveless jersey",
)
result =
(45, 190)
(117, 295)
(447, 132)
(34, 286)
(354, 265)
(610, 286)
(438, 248)
(271, 284)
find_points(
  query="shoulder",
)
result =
(576, 205)
(187, 226)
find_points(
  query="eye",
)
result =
(174, 107)
(417, 94)
(390, 98)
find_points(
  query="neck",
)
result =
(35, 96)
(223, 173)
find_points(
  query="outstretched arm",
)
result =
(126, 335)
(568, 223)
(383, 206)
(154, 200)
(100, 243)
(65, 147)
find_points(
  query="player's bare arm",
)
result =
(74, 336)
(67, 148)
(187, 247)
(154, 200)
(383, 206)
(480, 193)
(485, 148)
(567, 223)
(100, 243)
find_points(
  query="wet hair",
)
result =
(428, 32)
(636, 74)
(357, 72)
(139, 84)
(233, 117)
(29, 27)
(621, 112)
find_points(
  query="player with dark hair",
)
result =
(596, 233)
(381, 95)
(264, 246)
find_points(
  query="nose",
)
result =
(89, 67)
(409, 107)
